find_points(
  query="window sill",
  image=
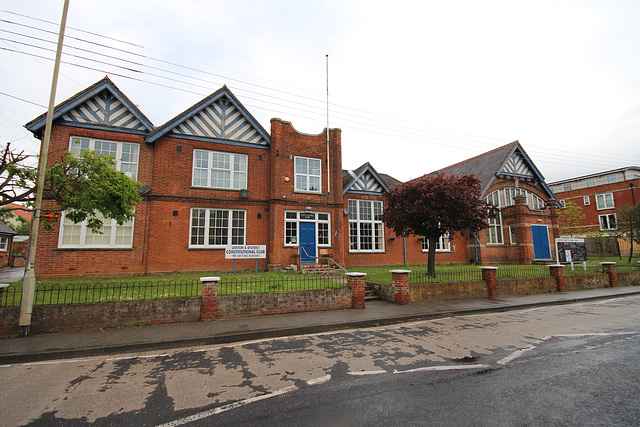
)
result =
(319, 193)
(208, 248)
(367, 252)
(92, 248)
(196, 187)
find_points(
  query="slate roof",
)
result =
(487, 166)
(6, 231)
(349, 178)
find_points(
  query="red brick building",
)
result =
(215, 177)
(600, 195)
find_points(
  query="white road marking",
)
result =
(228, 407)
(358, 373)
(319, 380)
(516, 354)
(442, 368)
(522, 351)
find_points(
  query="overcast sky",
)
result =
(414, 85)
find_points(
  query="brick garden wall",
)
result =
(230, 306)
(433, 292)
(59, 318)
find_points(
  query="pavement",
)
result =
(40, 347)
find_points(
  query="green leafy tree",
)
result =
(570, 218)
(434, 205)
(87, 187)
(629, 225)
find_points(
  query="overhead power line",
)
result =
(414, 132)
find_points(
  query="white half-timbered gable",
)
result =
(517, 165)
(218, 118)
(365, 180)
(103, 110)
(101, 106)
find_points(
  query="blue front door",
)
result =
(307, 241)
(541, 249)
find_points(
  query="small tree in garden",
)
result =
(434, 205)
(85, 187)
(629, 225)
(569, 218)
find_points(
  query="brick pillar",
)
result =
(490, 275)
(2, 287)
(557, 271)
(400, 279)
(209, 307)
(356, 282)
(610, 268)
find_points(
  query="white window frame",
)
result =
(607, 218)
(536, 203)
(207, 228)
(510, 194)
(494, 231)
(567, 186)
(612, 178)
(512, 235)
(4, 243)
(78, 145)
(442, 245)
(590, 182)
(82, 236)
(361, 216)
(586, 200)
(303, 177)
(237, 170)
(562, 203)
(292, 222)
(603, 202)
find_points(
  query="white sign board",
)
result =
(245, 251)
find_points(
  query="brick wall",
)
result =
(230, 306)
(54, 262)
(434, 292)
(77, 317)
(286, 144)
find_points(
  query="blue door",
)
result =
(541, 249)
(307, 241)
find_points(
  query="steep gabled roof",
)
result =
(100, 106)
(220, 117)
(366, 180)
(19, 210)
(508, 160)
(6, 231)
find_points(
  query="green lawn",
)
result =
(376, 274)
(93, 289)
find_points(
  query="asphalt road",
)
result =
(573, 365)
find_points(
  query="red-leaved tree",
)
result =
(434, 205)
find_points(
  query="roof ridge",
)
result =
(516, 142)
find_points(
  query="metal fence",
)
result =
(259, 285)
(521, 271)
(457, 275)
(125, 291)
(105, 292)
